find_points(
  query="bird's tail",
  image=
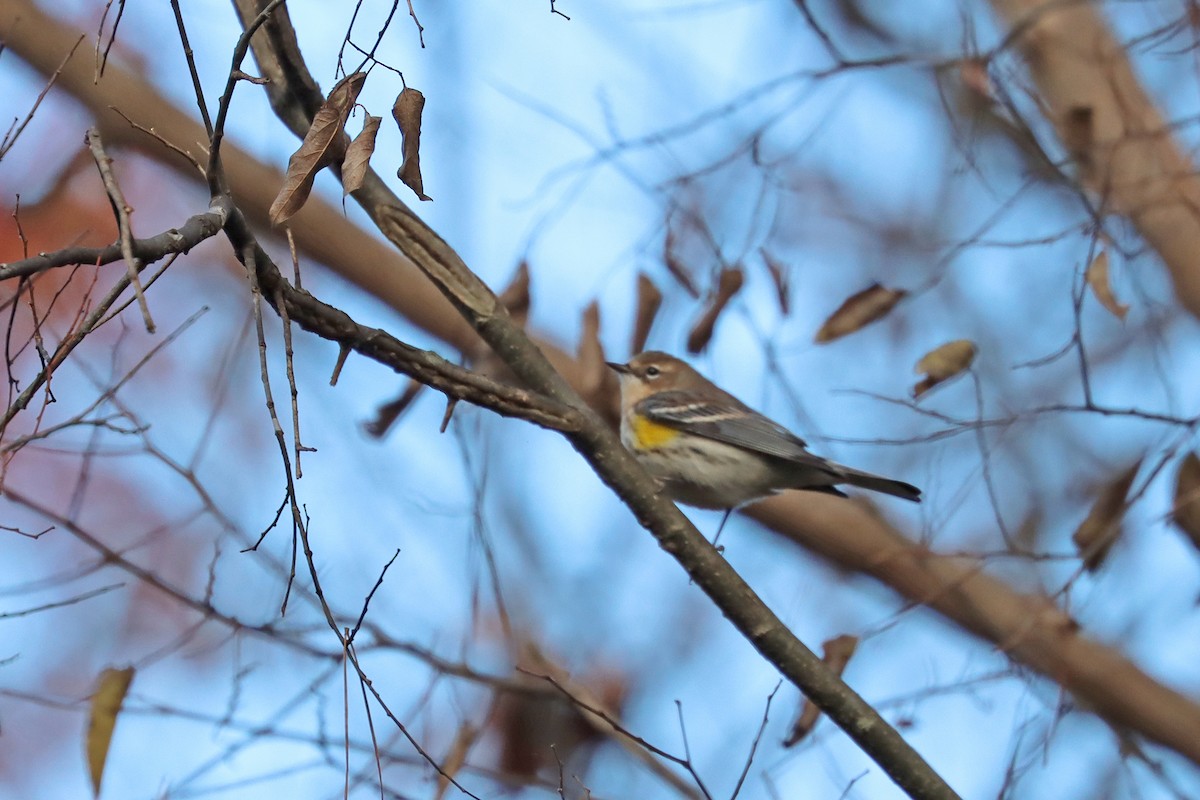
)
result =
(878, 483)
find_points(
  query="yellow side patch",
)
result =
(648, 434)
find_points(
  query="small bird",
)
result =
(709, 449)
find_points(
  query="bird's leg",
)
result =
(720, 528)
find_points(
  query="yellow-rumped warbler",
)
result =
(711, 450)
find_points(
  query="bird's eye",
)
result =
(653, 372)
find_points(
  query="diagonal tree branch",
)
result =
(1028, 628)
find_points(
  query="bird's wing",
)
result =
(730, 422)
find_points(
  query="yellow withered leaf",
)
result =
(943, 363)
(106, 705)
(1098, 280)
(1098, 532)
(858, 311)
(1187, 498)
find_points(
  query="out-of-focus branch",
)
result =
(176, 240)
(1123, 148)
(1029, 629)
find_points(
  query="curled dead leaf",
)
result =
(729, 283)
(858, 311)
(1098, 280)
(324, 144)
(595, 374)
(973, 72)
(781, 278)
(676, 267)
(942, 363)
(1079, 136)
(407, 112)
(515, 297)
(106, 705)
(1098, 532)
(836, 654)
(1187, 498)
(358, 155)
(649, 299)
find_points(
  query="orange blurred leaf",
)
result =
(407, 112)
(943, 363)
(1098, 279)
(1098, 532)
(106, 705)
(358, 155)
(836, 655)
(323, 145)
(1187, 498)
(781, 277)
(649, 300)
(728, 284)
(858, 311)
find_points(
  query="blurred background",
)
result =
(818, 148)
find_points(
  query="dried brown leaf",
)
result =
(649, 300)
(781, 277)
(1187, 498)
(1098, 279)
(454, 761)
(106, 705)
(943, 363)
(515, 297)
(594, 373)
(973, 72)
(407, 113)
(324, 144)
(858, 311)
(836, 655)
(1098, 532)
(728, 284)
(676, 267)
(389, 412)
(1079, 135)
(358, 155)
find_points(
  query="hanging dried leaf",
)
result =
(454, 761)
(515, 297)
(943, 363)
(781, 277)
(389, 412)
(858, 311)
(324, 144)
(1098, 280)
(1187, 498)
(728, 284)
(1079, 134)
(973, 72)
(106, 705)
(649, 299)
(1096, 535)
(358, 155)
(407, 113)
(836, 655)
(676, 267)
(591, 354)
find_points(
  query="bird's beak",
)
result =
(620, 369)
